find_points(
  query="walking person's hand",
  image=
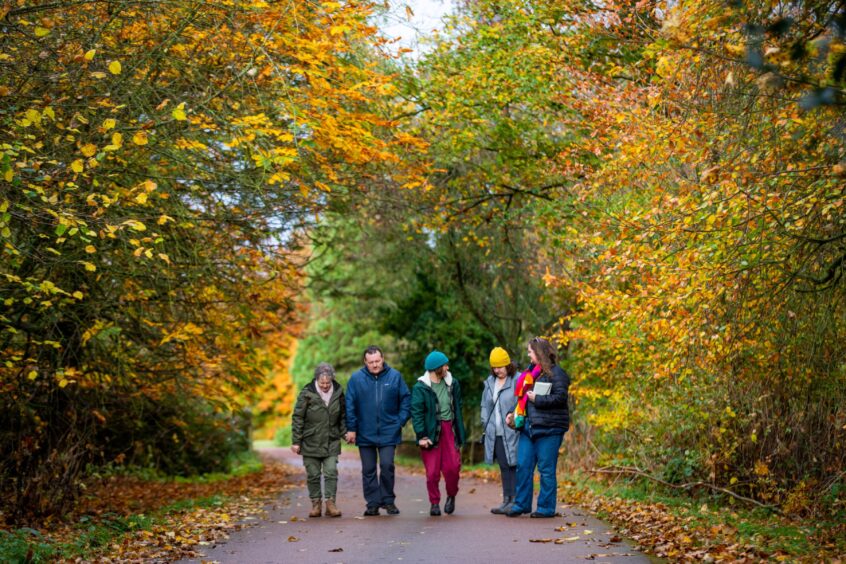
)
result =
(425, 442)
(350, 437)
(531, 396)
(509, 420)
(295, 449)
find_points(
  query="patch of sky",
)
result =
(412, 23)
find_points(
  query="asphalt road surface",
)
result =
(472, 534)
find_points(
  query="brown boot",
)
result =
(315, 508)
(331, 509)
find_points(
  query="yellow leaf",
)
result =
(33, 374)
(33, 116)
(164, 257)
(135, 225)
(114, 67)
(9, 175)
(89, 149)
(77, 165)
(141, 198)
(117, 142)
(164, 219)
(88, 266)
(41, 31)
(140, 138)
(178, 112)
(90, 249)
(77, 295)
(109, 124)
(89, 55)
(48, 112)
(63, 383)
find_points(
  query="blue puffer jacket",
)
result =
(377, 407)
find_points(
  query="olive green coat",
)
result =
(316, 427)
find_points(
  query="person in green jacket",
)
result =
(437, 421)
(317, 425)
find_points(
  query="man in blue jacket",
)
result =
(378, 405)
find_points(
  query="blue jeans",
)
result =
(543, 453)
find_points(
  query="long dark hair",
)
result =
(545, 353)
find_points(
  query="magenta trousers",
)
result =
(444, 458)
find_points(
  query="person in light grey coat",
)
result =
(500, 440)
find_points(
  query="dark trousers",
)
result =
(509, 473)
(378, 489)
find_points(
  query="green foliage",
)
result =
(379, 283)
(94, 536)
(283, 436)
(182, 437)
(25, 546)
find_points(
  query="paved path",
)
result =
(472, 534)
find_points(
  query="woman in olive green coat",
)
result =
(317, 425)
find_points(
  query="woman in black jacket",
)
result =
(542, 417)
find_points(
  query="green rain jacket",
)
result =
(316, 427)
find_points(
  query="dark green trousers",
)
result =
(317, 468)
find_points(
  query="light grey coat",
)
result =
(507, 402)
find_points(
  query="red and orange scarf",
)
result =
(525, 383)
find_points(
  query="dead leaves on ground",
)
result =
(182, 533)
(656, 530)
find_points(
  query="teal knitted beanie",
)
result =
(435, 360)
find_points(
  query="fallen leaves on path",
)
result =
(181, 533)
(656, 530)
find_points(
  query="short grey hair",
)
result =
(324, 369)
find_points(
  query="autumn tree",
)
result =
(679, 166)
(160, 164)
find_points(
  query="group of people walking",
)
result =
(524, 417)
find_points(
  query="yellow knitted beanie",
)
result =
(499, 358)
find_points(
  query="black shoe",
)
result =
(449, 506)
(435, 510)
(391, 509)
(536, 515)
(371, 511)
(512, 512)
(506, 505)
